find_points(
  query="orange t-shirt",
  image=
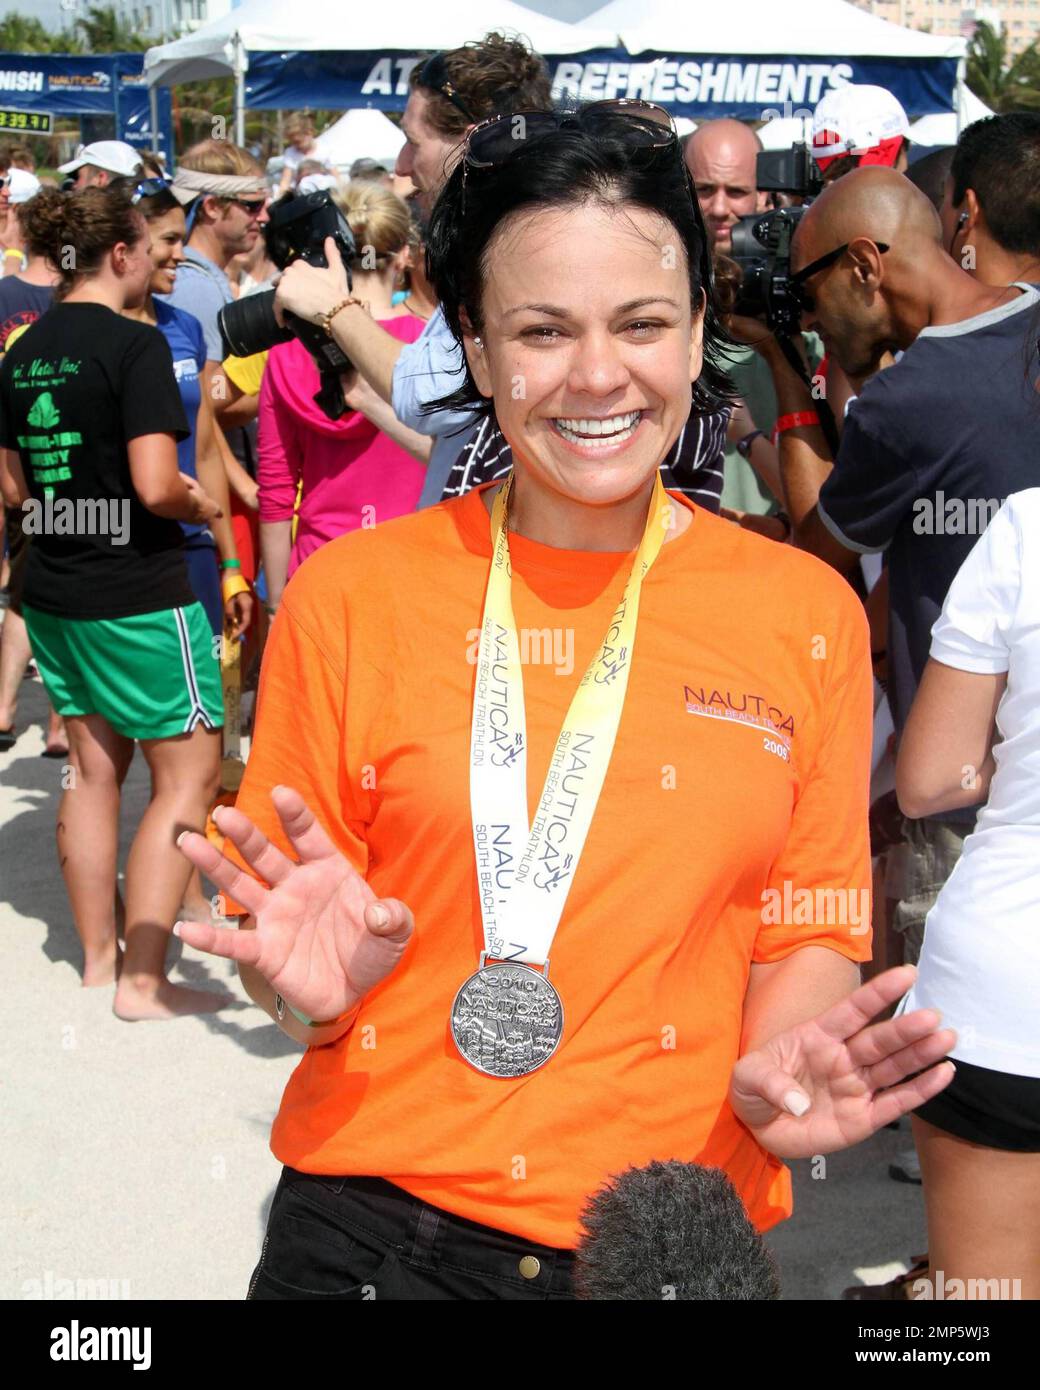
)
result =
(741, 764)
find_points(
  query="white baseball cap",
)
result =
(21, 185)
(115, 156)
(859, 120)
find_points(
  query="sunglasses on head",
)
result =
(434, 74)
(148, 188)
(796, 283)
(647, 126)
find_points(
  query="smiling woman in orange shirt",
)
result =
(553, 835)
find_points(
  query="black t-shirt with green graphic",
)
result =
(74, 389)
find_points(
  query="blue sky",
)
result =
(52, 14)
(49, 11)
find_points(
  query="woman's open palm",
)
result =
(832, 1081)
(322, 938)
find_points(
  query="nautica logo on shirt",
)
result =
(740, 707)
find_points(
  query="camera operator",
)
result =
(451, 93)
(928, 442)
(991, 209)
(721, 156)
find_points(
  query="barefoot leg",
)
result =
(57, 744)
(88, 837)
(14, 657)
(195, 906)
(185, 775)
(983, 1208)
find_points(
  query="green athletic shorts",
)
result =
(154, 675)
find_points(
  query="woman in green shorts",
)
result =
(90, 416)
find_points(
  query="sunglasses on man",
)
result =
(796, 283)
(254, 206)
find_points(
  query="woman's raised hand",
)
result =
(828, 1083)
(322, 938)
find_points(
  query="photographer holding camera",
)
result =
(918, 456)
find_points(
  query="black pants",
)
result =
(363, 1238)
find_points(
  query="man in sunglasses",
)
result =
(225, 199)
(931, 445)
(451, 93)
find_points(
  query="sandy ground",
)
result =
(136, 1158)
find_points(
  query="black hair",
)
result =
(929, 174)
(575, 164)
(999, 157)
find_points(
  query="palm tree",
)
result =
(1004, 86)
(104, 32)
(21, 34)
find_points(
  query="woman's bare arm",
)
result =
(946, 753)
(793, 990)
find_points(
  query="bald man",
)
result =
(931, 446)
(891, 281)
(720, 156)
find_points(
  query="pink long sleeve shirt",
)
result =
(352, 474)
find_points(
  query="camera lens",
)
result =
(248, 325)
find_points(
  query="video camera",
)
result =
(297, 230)
(762, 249)
(762, 241)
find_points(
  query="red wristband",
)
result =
(793, 421)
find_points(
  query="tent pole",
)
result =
(240, 91)
(962, 69)
(153, 116)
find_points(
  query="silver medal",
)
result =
(507, 1020)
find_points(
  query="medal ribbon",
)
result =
(525, 872)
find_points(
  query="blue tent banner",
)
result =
(72, 84)
(752, 87)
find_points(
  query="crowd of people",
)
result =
(562, 414)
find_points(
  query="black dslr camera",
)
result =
(762, 241)
(297, 230)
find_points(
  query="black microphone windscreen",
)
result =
(671, 1231)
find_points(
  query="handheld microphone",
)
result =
(671, 1231)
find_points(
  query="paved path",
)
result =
(137, 1153)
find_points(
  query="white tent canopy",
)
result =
(941, 129)
(361, 134)
(410, 26)
(824, 27)
(784, 131)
